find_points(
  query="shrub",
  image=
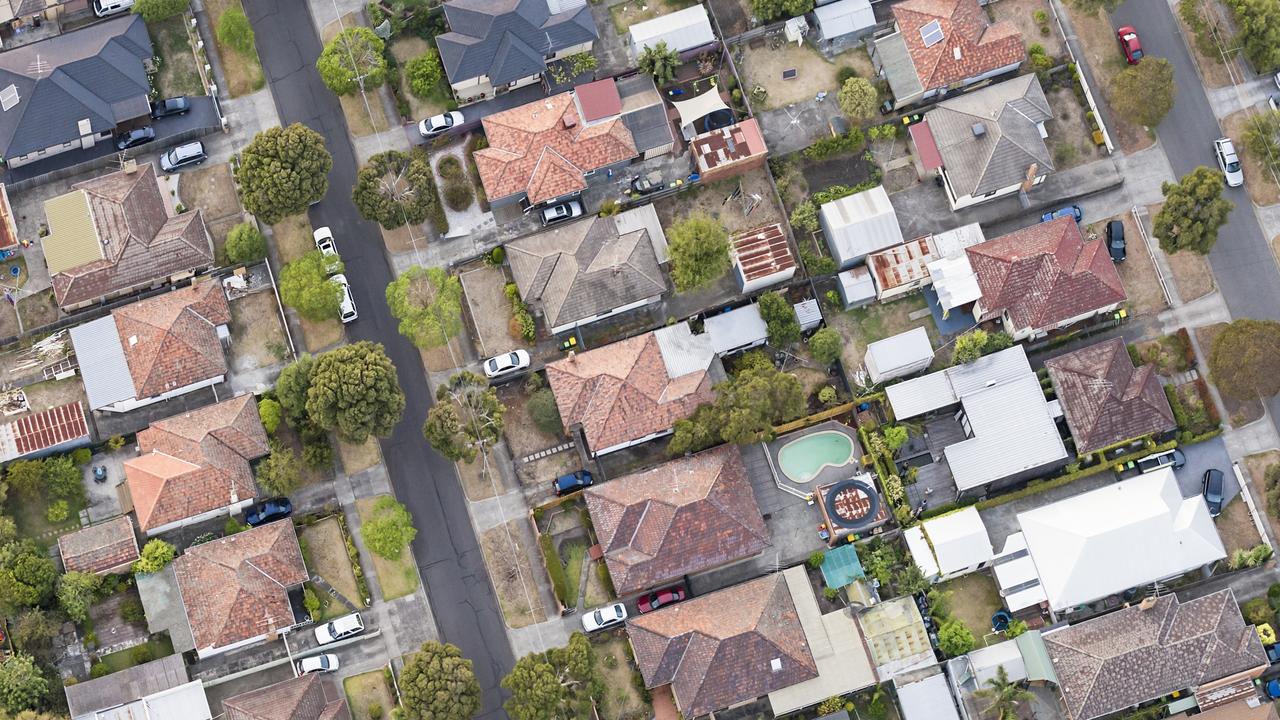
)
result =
(831, 593)
(555, 568)
(1041, 17)
(449, 168)
(826, 345)
(1016, 628)
(424, 73)
(99, 670)
(58, 511)
(815, 560)
(233, 526)
(545, 413)
(131, 610)
(1273, 596)
(269, 411)
(805, 217)
(374, 711)
(317, 454)
(610, 207)
(827, 395)
(843, 74)
(495, 257)
(235, 32)
(458, 195)
(311, 602)
(115, 442)
(142, 654)
(1257, 611)
(850, 142)
(81, 456)
(954, 639)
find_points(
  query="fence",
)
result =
(1084, 83)
(1254, 512)
(1138, 214)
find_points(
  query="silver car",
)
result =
(439, 124)
(1225, 151)
(604, 617)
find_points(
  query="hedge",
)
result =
(1035, 487)
(555, 568)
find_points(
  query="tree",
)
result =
(353, 61)
(1193, 211)
(545, 413)
(282, 171)
(269, 412)
(969, 347)
(305, 286)
(291, 390)
(558, 683)
(245, 244)
(394, 188)
(1262, 138)
(1005, 697)
(25, 477)
(466, 419)
(424, 73)
(699, 250)
(428, 304)
(155, 555)
(157, 10)
(910, 580)
(767, 10)
(76, 592)
(389, 530)
(745, 410)
(235, 32)
(23, 685)
(1258, 25)
(780, 320)
(954, 639)
(63, 480)
(280, 473)
(27, 576)
(1016, 628)
(858, 98)
(1244, 362)
(355, 391)
(1093, 6)
(437, 683)
(826, 345)
(34, 631)
(1144, 92)
(895, 436)
(659, 61)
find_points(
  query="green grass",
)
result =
(367, 689)
(178, 73)
(397, 577)
(974, 598)
(160, 646)
(575, 552)
(30, 517)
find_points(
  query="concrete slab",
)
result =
(1201, 457)
(104, 498)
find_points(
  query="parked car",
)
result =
(347, 308)
(328, 248)
(604, 617)
(1213, 489)
(176, 158)
(572, 482)
(439, 124)
(1273, 654)
(107, 8)
(1273, 688)
(661, 598)
(170, 106)
(643, 186)
(340, 629)
(1172, 458)
(1115, 240)
(318, 663)
(1072, 211)
(506, 363)
(1273, 101)
(1225, 151)
(135, 137)
(561, 212)
(265, 511)
(1130, 44)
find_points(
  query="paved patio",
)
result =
(825, 474)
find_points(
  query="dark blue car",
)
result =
(269, 510)
(572, 482)
(1071, 211)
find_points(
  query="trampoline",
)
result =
(717, 120)
(851, 504)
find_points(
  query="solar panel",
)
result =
(931, 33)
(8, 97)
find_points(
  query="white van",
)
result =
(107, 8)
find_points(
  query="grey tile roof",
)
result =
(509, 39)
(1009, 112)
(649, 127)
(93, 74)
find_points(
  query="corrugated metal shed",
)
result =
(809, 314)
(103, 368)
(1012, 432)
(681, 30)
(844, 17)
(899, 355)
(739, 328)
(859, 224)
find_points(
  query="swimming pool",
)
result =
(802, 459)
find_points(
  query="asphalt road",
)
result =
(449, 557)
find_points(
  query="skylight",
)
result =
(931, 33)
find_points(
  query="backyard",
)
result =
(39, 309)
(157, 647)
(367, 690)
(178, 72)
(325, 552)
(242, 71)
(397, 577)
(364, 112)
(507, 559)
(813, 74)
(974, 599)
(622, 697)
(862, 326)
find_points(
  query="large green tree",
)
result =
(291, 390)
(437, 683)
(423, 73)
(157, 10)
(1193, 211)
(858, 98)
(389, 528)
(699, 250)
(826, 345)
(1262, 138)
(282, 171)
(23, 685)
(428, 304)
(466, 419)
(355, 391)
(1244, 362)
(1258, 25)
(1144, 92)
(779, 319)
(659, 61)
(25, 477)
(745, 410)
(281, 472)
(969, 347)
(352, 61)
(27, 576)
(554, 685)
(305, 286)
(768, 10)
(76, 591)
(954, 639)
(245, 244)
(395, 188)
(1003, 697)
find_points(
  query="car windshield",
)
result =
(493, 363)
(599, 617)
(1137, 54)
(1233, 166)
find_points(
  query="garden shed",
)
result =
(856, 287)
(859, 224)
(736, 330)
(682, 31)
(844, 22)
(899, 355)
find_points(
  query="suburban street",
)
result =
(448, 554)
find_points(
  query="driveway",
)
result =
(796, 126)
(1201, 457)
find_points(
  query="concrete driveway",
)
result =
(798, 125)
(1201, 457)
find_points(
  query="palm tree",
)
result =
(1005, 696)
(660, 61)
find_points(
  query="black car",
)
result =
(1115, 240)
(572, 482)
(265, 511)
(135, 137)
(170, 107)
(641, 185)
(1212, 489)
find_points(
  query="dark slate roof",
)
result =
(649, 127)
(93, 74)
(508, 39)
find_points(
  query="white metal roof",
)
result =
(959, 540)
(945, 387)
(1117, 537)
(1013, 431)
(859, 224)
(736, 328)
(103, 368)
(900, 350)
(955, 281)
(1017, 576)
(857, 285)
(921, 552)
(927, 699)
(988, 660)
(808, 313)
(682, 351)
(844, 17)
(681, 30)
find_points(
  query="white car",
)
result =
(340, 629)
(439, 124)
(506, 364)
(604, 617)
(318, 663)
(347, 309)
(327, 247)
(1277, 79)
(1225, 151)
(561, 212)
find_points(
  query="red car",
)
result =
(1130, 44)
(661, 598)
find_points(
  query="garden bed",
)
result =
(398, 577)
(1171, 354)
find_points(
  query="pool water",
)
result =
(801, 460)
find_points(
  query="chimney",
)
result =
(569, 120)
(979, 129)
(1147, 603)
(130, 166)
(573, 356)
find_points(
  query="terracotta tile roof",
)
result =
(763, 251)
(727, 647)
(728, 145)
(544, 148)
(1106, 399)
(236, 588)
(302, 698)
(1127, 657)
(41, 431)
(193, 463)
(622, 392)
(1044, 274)
(680, 518)
(970, 46)
(100, 548)
(170, 340)
(599, 99)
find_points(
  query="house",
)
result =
(154, 349)
(736, 330)
(542, 151)
(636, 101)
(950, 545)
(1153, 649)
(761, 257)
(56, 430)
(1024, 659)
(729, 151)
(635, 390)
(899, 355)
(925, 695)
(987, 422)
(686, 31)
(236, 589)
(195, 466)
(938, 46)
(156, 690)
(493, 47)
(103, 549)
(859, 224)
(901, 269)
(74, 90)
(840, 25)
(588, 270)
(684, 517)
(988, 143)
(115, 235)
(895, 633)
(1044, 277)
(302, 698)
(1106, 399)
(1120, 536)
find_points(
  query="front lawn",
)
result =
(366, 690)
(243, 72)
(326, 556)
(862, 326)
(396, 577)
(622, 698)
(178, 72)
